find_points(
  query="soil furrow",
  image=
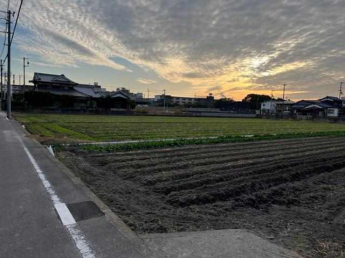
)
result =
(150, 163)
(166, 168)
(197, 149)
(216, 170)
(291, 191)
(232, 190)
(192, 185)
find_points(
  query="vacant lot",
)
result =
(60, 128)
(290, 191)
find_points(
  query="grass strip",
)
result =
(183, 142)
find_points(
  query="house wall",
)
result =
(268, 107)
(332, 112)
(184, 100)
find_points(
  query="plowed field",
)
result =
(290, 191)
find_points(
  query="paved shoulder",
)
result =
(36, 202)
(215, 244)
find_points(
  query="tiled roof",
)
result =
(65, 93)
(44, 77)
(331, 98)
(306, 103)
(119, 94)
(89, 91)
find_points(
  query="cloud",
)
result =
(226, 43)
(215, 88)
(146, 81)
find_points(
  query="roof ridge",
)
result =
(50, 74)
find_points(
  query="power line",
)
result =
(3, 47)
(15, 25)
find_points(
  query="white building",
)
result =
(183, 100)
(272, 106)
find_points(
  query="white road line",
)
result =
(80, 241)
(50, 149)
(63, 211)
(46, 183)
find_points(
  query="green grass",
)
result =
(94, 128)
(182, 142)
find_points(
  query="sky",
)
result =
(189, 47)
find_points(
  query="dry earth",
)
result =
(289, 191)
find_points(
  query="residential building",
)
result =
(328, 107)
(61, 85)
(18, 89)
(273, 107)
(181, 101)
(84, 96)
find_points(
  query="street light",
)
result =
(25, 64)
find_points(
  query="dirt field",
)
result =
(289, 191)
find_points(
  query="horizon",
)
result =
(274, 98)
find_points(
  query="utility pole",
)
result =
(341, 89)
(148, 93)
(20, 79)
(164, 100)
(14, 79)
(284, 86)
(2, 87)
(9, 92)
(25, 64)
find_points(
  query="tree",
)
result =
(255, 100)
(278, 99)
(222, 103)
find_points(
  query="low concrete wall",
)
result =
(219, 114)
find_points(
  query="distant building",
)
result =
(181, 101)
(61, 85)
(328, 107)
(238, 107)
(18, 89)
(139, 95)
(85, 96)
(274, 107)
